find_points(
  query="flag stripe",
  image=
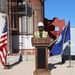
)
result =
(3, 43)
(2, 57)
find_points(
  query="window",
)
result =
(56, 28)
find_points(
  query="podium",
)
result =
(41, 55)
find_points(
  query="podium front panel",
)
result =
(41, 57)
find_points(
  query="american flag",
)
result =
(3, 42)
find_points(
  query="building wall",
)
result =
(72, 41)
(51, 24)
(3, 6)
(27, 22)
(38, 14)
(22, 42)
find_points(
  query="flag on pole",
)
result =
(63, 38)
(3, 39)
(67, 35)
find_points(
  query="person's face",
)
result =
(41, 28)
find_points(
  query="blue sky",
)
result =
(62, 9)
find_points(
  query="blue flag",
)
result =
(63, 38)
(67, 35)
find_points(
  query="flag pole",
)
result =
(6, 65)
(69, 51)
(70, 56)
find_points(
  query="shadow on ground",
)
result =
(52, 66)
(16, 63)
